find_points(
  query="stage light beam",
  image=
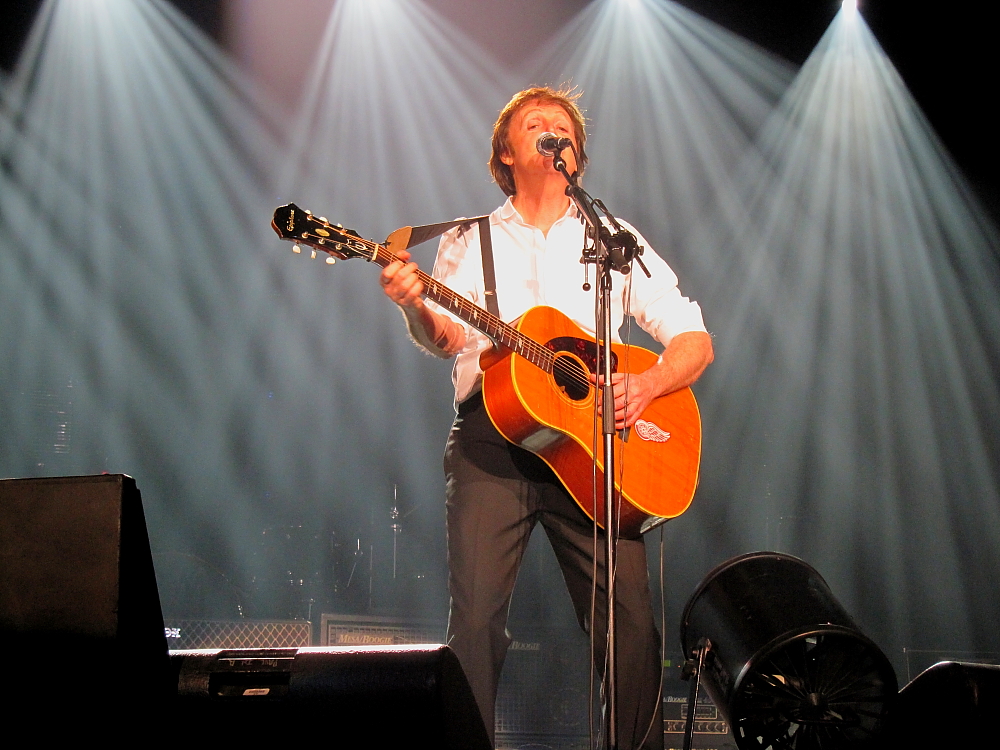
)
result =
(134, 154)
(855, 390)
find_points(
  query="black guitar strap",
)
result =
(489, 274)
(421, 234)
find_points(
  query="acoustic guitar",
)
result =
(537, 391)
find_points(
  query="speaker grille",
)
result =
(188, 634)
(543, 692)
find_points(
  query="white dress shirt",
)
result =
(534, 269)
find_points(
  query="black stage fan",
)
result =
(783, 660)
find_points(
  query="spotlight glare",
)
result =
(852, 184)
(850, 7)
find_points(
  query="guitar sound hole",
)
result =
(582, 348)
(571, 377)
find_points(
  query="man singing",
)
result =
(496, 491)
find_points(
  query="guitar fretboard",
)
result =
(482, 320)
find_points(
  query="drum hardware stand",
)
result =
(396, 527)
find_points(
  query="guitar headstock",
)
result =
(297, 225)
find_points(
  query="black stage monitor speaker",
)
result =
(786, 664)
(79, 609)
(949, 705)
(359, 696)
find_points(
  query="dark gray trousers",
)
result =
(496, 493)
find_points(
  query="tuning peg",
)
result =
(338, 226)
(308, 212)
(324, 219)
(313, 255)
(296, 249)
(330, 260)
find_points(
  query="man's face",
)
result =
(529, 122)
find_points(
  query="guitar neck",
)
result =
(292, 223)
(502, 334)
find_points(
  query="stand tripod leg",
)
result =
(693, 666)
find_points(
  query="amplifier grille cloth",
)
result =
(183, 634)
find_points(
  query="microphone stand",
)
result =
(609, 252)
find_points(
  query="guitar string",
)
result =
(515, 340)
(509, 336)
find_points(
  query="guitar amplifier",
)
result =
(711, 730)
(372, 630)
(188, 634)
(543, 693)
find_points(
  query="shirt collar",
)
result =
(508, 212)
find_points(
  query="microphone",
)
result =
(549, 144)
